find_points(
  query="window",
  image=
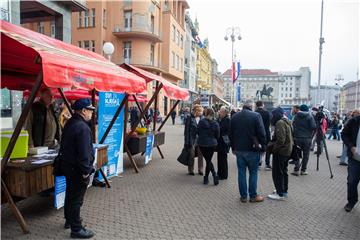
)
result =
(297, 89)
(104, 17)
(87, 45)
(79, 44)
(93, 45)
(291, 89)
(80, 20)
(174, 33)
(181, 41)
(52, 34)
(152, 24)
(93, 17)
(173, 59)
(177, 37)
(290, 95)
(177, 62)
(127, 52)
(86, 19)
(181, 64)
(128, 20)
(41, 27)
(186, 61)
(152, 54)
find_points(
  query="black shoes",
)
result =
(201, 173)
(83, 233)
(206, 180)
(191, 174)
(348, 207)
(216, 180)
(67, 225)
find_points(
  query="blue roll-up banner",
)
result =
(149, 148)
(238, 93)
(108, 104)
(60, 189)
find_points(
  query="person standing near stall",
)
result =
(42, 123)
(77, 164)
(209, 132)
(223, 143)
(173, 116)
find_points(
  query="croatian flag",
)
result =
(235, 71)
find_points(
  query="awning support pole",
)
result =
(155, 109)
(169, 114)
(11, 146)
(93, 118)
(139, 107)
(67, 104)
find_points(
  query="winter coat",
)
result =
(349, 133)
(245, 126)
(266, 118)
(224, 124)
(283, 139)
(209, 132)
(304, 125)
(190, 130)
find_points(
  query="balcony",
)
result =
(139, 29)
(75, 6)
(144, 63)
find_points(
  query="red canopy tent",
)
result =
(30, 60)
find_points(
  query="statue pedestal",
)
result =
(269, 105)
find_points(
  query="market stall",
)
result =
(31, 61)
(135, 144)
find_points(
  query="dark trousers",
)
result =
(353, 181)
(304, 144)
(75, 191)
(267, 158)
(280, 173)
(208, 153)
(222, 164)
(173, 120)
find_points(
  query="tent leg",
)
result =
(131, 159)
(67, 104)
(20, 219)
(139, 107)
(155, 108)
(93, 118)
(161, 154)
(167, 116)
(105, 178)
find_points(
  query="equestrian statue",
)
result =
(264, 92)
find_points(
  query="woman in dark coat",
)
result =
(209, 132)
(191, 134)
(223, 143)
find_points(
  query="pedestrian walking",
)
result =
(266, 117)
(223, 143)
(335, 128)
(134, 116)
(77, 165)
(282, 146)
(191, 137)
(209, 132)
(304, 126)
(173, 116)
(351, 138)
(248, 138)
(343, 156)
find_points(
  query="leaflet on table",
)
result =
(108, 105)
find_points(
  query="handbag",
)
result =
(186, 156)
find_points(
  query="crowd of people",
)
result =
(252, 134)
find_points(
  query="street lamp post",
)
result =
(232, 33)
(321, 41)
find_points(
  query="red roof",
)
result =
(257, 72)
(24, 53)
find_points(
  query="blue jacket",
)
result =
(245, 126)
(209, 132)
(76, 147)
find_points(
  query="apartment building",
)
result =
(328, 96)
(217, 82)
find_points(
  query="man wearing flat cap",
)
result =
(77, 164)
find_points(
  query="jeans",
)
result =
(344, 157)
(353, 181)
(280, 174)
(251, 161)
(208, 153)
(75, 191)
(304, 144)
(335, 132)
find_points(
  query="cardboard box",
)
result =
(21, 145)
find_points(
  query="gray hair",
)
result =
(249, 103)
(225, 109)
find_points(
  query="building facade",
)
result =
(350, 96)
(329, 96)
(52, 16)
(217, 82)
(203, 68)
(229, 88)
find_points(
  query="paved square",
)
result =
(162, 202)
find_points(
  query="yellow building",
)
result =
(203, 68)
(342, 101)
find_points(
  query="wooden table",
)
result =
(137, 144)
(27, 178)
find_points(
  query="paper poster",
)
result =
(60, 190)
(149, 148)
(108, 104)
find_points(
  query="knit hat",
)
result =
(304, 108)
(277, 114)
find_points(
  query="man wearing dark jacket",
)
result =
(246, 134)
(351, 137)
(266, 117)
(77, 165)
(304, 125)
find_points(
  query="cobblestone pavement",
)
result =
(162, 202)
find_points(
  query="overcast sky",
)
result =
(283, 35)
